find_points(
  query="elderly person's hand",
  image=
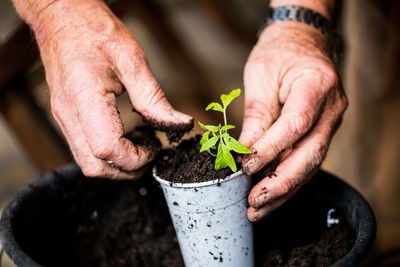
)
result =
(293, 103)
(90, 57)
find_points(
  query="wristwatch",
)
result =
(309, 17)
(300, 14)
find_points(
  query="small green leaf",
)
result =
(211, 142)
(219, 160)
(228, 158)
(211, 128)
(215, 106)
(204, 138)
(227, 127)
(234, 145)
(227, 99)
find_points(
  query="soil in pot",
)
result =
(126, 223)
(186, 164)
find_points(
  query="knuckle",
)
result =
(330, 73)
(299, 123)
(321, 73)
(257, 109)
(317, 153)
(330, 77)
(137, 55)
(251, 199)
(129, 56)
(93, 170)
(344, 104)
(102, 150)
(288, 186)
(268, 151)
(340, 106)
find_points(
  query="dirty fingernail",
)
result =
(246, 170)
(261, 200)
(250, 166)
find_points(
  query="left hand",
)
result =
(293, 101)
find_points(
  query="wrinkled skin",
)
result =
(90, 57)
(293, 103)
(293, 96)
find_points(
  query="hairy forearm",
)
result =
(48, 18)
(324, 7)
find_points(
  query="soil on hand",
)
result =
(174, 132)
(186, 164)
(145, 137)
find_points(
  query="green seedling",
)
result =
(220, 140)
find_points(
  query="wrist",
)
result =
(324, 7)
(30, 10)
(74, 20)
(47, 22)
(293, 35)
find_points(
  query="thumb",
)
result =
(145, 93)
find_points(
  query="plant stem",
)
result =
(225, 123)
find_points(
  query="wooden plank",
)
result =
(218, 11)
(153, 16)
(17, 54)
(31, 127)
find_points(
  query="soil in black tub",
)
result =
(94, 222)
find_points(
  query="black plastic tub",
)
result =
(38, 227)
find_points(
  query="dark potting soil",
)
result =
(98, 222)
(95, 222)
(144, 136)
(137, 231)
(174, 132)
(186, 164)
(305, 245)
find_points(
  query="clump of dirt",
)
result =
(174, 132)
(144, 136)
(186, 164)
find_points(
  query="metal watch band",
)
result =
(300, 14)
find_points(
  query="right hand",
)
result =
(90, 57)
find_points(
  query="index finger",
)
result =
(301, 110)
(104, 132)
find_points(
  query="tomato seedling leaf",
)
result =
(227, 99)
(210, 143)
(211, 128)
(215, 106)
(227, 127)
(234, 145)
